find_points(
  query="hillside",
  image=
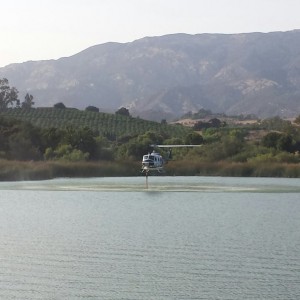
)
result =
(110, 125)
(167, 76)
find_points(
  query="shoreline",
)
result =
(43, 170)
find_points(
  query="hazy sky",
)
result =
(50, 29)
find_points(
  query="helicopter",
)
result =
(155, 162)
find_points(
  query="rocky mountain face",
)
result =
(167, 76)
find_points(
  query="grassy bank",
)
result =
(16, 170)
(185, 168)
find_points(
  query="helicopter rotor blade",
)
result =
(174, 146)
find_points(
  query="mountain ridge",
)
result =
(167, 76)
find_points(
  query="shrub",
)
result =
(66, 152)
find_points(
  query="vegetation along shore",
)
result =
(43, 143)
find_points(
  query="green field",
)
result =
(113, 125)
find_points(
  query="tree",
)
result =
(151, 137)
(81, 139)
(24, 142)
(92, 108)
(123, 111)
(28, 103)
(8, 95)
(215, 122)
(194, 138)
(65, 152)
(285, 143)
(51, 137)
(271, 139)
(275, 123)
(199, 125)
(59, 105)
(22, 148)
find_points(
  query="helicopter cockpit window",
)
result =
(151, 157)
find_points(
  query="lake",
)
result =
(180, 238)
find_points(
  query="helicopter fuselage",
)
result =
(152, 162)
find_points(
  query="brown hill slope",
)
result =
(167, 76)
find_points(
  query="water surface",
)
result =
(182, 238)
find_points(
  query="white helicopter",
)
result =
(155, 162)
